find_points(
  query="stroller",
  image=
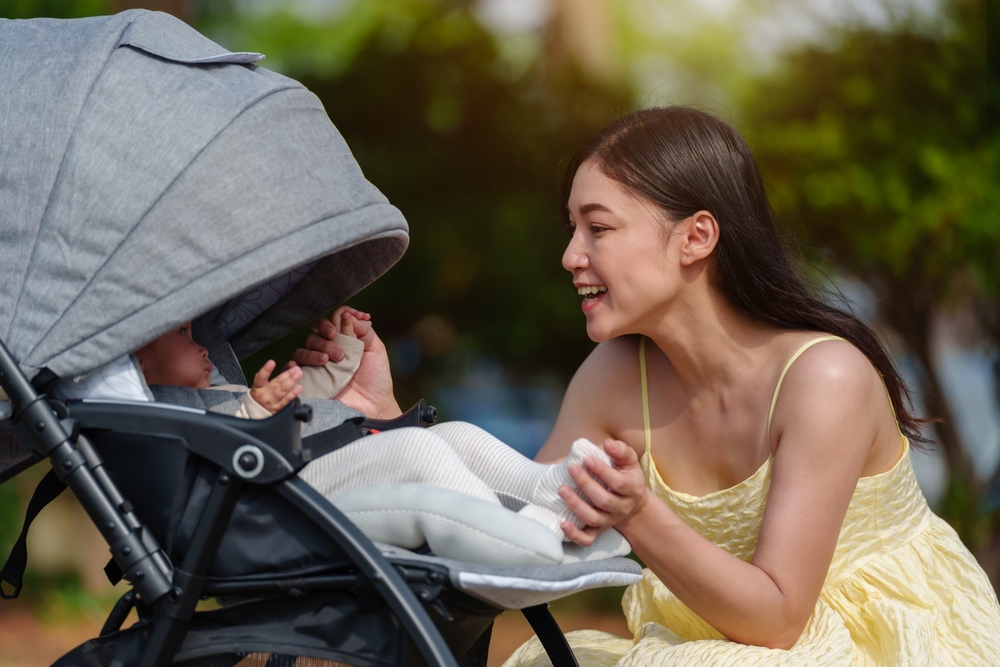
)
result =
(149, 177)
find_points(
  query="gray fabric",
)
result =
(316, 293)
(183, 46)
(14, 455)
(239, 312)
(518, 587)
(137, 191)
(326, 414)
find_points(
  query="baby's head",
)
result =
(175, 359)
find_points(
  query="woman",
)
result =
(759, 436)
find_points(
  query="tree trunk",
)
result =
(909, 311)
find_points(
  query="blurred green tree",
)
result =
(57, 9)
(469, 149)
(880, 158)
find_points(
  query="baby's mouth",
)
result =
(591, 292)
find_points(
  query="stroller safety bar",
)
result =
(259, 451)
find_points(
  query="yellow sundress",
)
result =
(902, 589)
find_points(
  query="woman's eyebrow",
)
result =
(589, 208)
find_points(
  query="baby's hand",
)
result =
(345, 319)
(275, 394)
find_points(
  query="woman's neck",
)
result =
(710, 344)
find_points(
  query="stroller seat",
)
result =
(453, 525)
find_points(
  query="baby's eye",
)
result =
(184, 330)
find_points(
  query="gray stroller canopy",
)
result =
(148, 176)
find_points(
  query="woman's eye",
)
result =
(597, 229)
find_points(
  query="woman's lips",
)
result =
(590, 301)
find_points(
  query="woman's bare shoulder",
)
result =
(837, 364)
(613, 363)
(832, 378)
(598, 397)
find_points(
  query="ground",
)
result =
(30, 641)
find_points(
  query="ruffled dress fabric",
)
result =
(902, 589)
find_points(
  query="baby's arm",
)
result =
(272, 395)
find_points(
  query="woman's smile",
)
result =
(592, 295)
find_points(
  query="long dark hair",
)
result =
(685, 160)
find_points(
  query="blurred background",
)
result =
(874, 122)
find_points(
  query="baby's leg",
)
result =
(405, 455)
(521, 484)
(510, 474)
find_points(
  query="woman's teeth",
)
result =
(591, 290)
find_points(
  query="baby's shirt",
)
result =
(324, 381)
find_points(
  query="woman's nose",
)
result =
(575, 256)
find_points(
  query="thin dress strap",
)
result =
(798, 352)
(645, 393)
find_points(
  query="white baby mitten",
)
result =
(546, 506)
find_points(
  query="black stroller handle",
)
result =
(38, 424)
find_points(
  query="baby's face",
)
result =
(175, 359)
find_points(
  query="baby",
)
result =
(175, 359)
(454, 455)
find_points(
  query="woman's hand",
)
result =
(625, 496)
(370, 390)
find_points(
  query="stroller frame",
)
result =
(245, 452)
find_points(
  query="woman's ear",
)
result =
(699, 236)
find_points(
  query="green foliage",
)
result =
(879, 157)
(471, 157)
(595, 600)
(10, 517)
(882, 160)
(57, 9)
(59, 596)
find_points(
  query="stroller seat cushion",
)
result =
(517, 587)
(609, 544)
(458, 526)
(451, 523)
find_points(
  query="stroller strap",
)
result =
(332, 439)
(12, 574)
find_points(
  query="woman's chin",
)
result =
(598, 333)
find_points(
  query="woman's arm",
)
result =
(598, 401)
(828, 415)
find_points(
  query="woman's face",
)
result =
(621, 258)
